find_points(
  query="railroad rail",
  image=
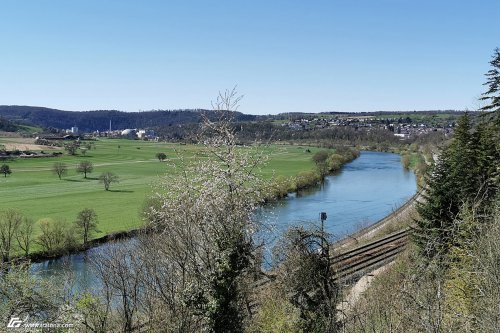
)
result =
(351, 265)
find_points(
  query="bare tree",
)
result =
(85, 167)
(71, 148)
(121, 273)
(55, 235)
(107, 178)
(86, 223)
(60, 169)
(24, 235)
(9, 223)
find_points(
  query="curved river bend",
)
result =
(363, 192)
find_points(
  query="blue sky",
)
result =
(284, 56)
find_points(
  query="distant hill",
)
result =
(8, 126)
(99, 120)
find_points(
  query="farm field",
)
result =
(36, 191)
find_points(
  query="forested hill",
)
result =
(99, 120)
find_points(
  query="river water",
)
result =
(361, 193)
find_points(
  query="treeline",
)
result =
(268, 132)
(89, 121)
(305, 115)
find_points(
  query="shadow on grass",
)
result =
(74, 180)
(122, 191)
(92, 178)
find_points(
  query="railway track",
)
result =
(349, 266)
(354, 263)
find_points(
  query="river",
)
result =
(361, 193)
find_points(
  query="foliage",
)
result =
(161, 156)
(466, 173)
(26, 295)
(493, 82)
(5, 169)
(320, 159)
(94, 313)
(276, 315)
(306, 277)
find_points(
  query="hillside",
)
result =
(100, 120)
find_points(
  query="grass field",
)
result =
(33, 189)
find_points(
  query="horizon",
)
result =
(251, 114)
(283, 56)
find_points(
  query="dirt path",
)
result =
(346, 306)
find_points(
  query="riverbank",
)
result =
(279, 188)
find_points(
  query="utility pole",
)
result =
(322, 217)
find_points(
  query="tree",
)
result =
(26, 294)
(493, 83)
(71, 148)
(207, 248)
(55, 235)
(60, 169)
(85, 167)
(465, 175)
(24, 234)
(107, 178)
(9, 223)
(121, 273)
(86, 223)
(5, 169)
(161, 156)
(306, 276)
(320, 159)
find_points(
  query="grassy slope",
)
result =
(38, 193)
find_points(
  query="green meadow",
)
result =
(36, 191)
